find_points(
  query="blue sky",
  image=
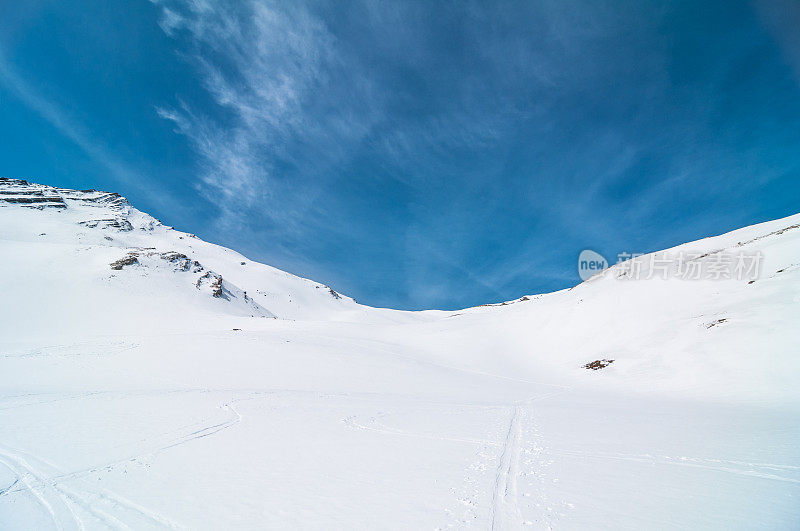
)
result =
(414, 154)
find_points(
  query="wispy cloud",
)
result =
(492, 143)
(289, 95)
(268, 68)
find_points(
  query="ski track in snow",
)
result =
(505, 511)
(58, 492)
(720, 465)
(45, 497)
(101, 505)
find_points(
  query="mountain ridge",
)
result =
(26, 194)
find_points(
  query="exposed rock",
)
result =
(38, 193)
(13, 182)
(23, 193)
(120, 224)
(214, 281)
(598, 364)
(773, 233)
(130, 259)
(35, 201)
(182, 262)
(111, 200)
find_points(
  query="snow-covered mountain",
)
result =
(149, 379)
(96, 251)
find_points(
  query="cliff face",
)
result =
(39, 196)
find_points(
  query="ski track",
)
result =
(719, 465)
(70, 490)
(505, 511)
(112, 510)
(42, 491)
(55, 495)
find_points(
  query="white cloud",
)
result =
(265, 66)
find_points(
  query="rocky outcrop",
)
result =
(22, 193)
(34, 201)
(12, 182)
(120, 224)
(214, 282)
(129, 259)
(180, 261)
(152, 261)
(598, 364)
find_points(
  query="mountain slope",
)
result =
(76, 236)
(139, 390)
(726, 338)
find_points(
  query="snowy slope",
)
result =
(138, 390)
(66, 241)
(724, 338)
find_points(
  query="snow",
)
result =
(134, 398)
